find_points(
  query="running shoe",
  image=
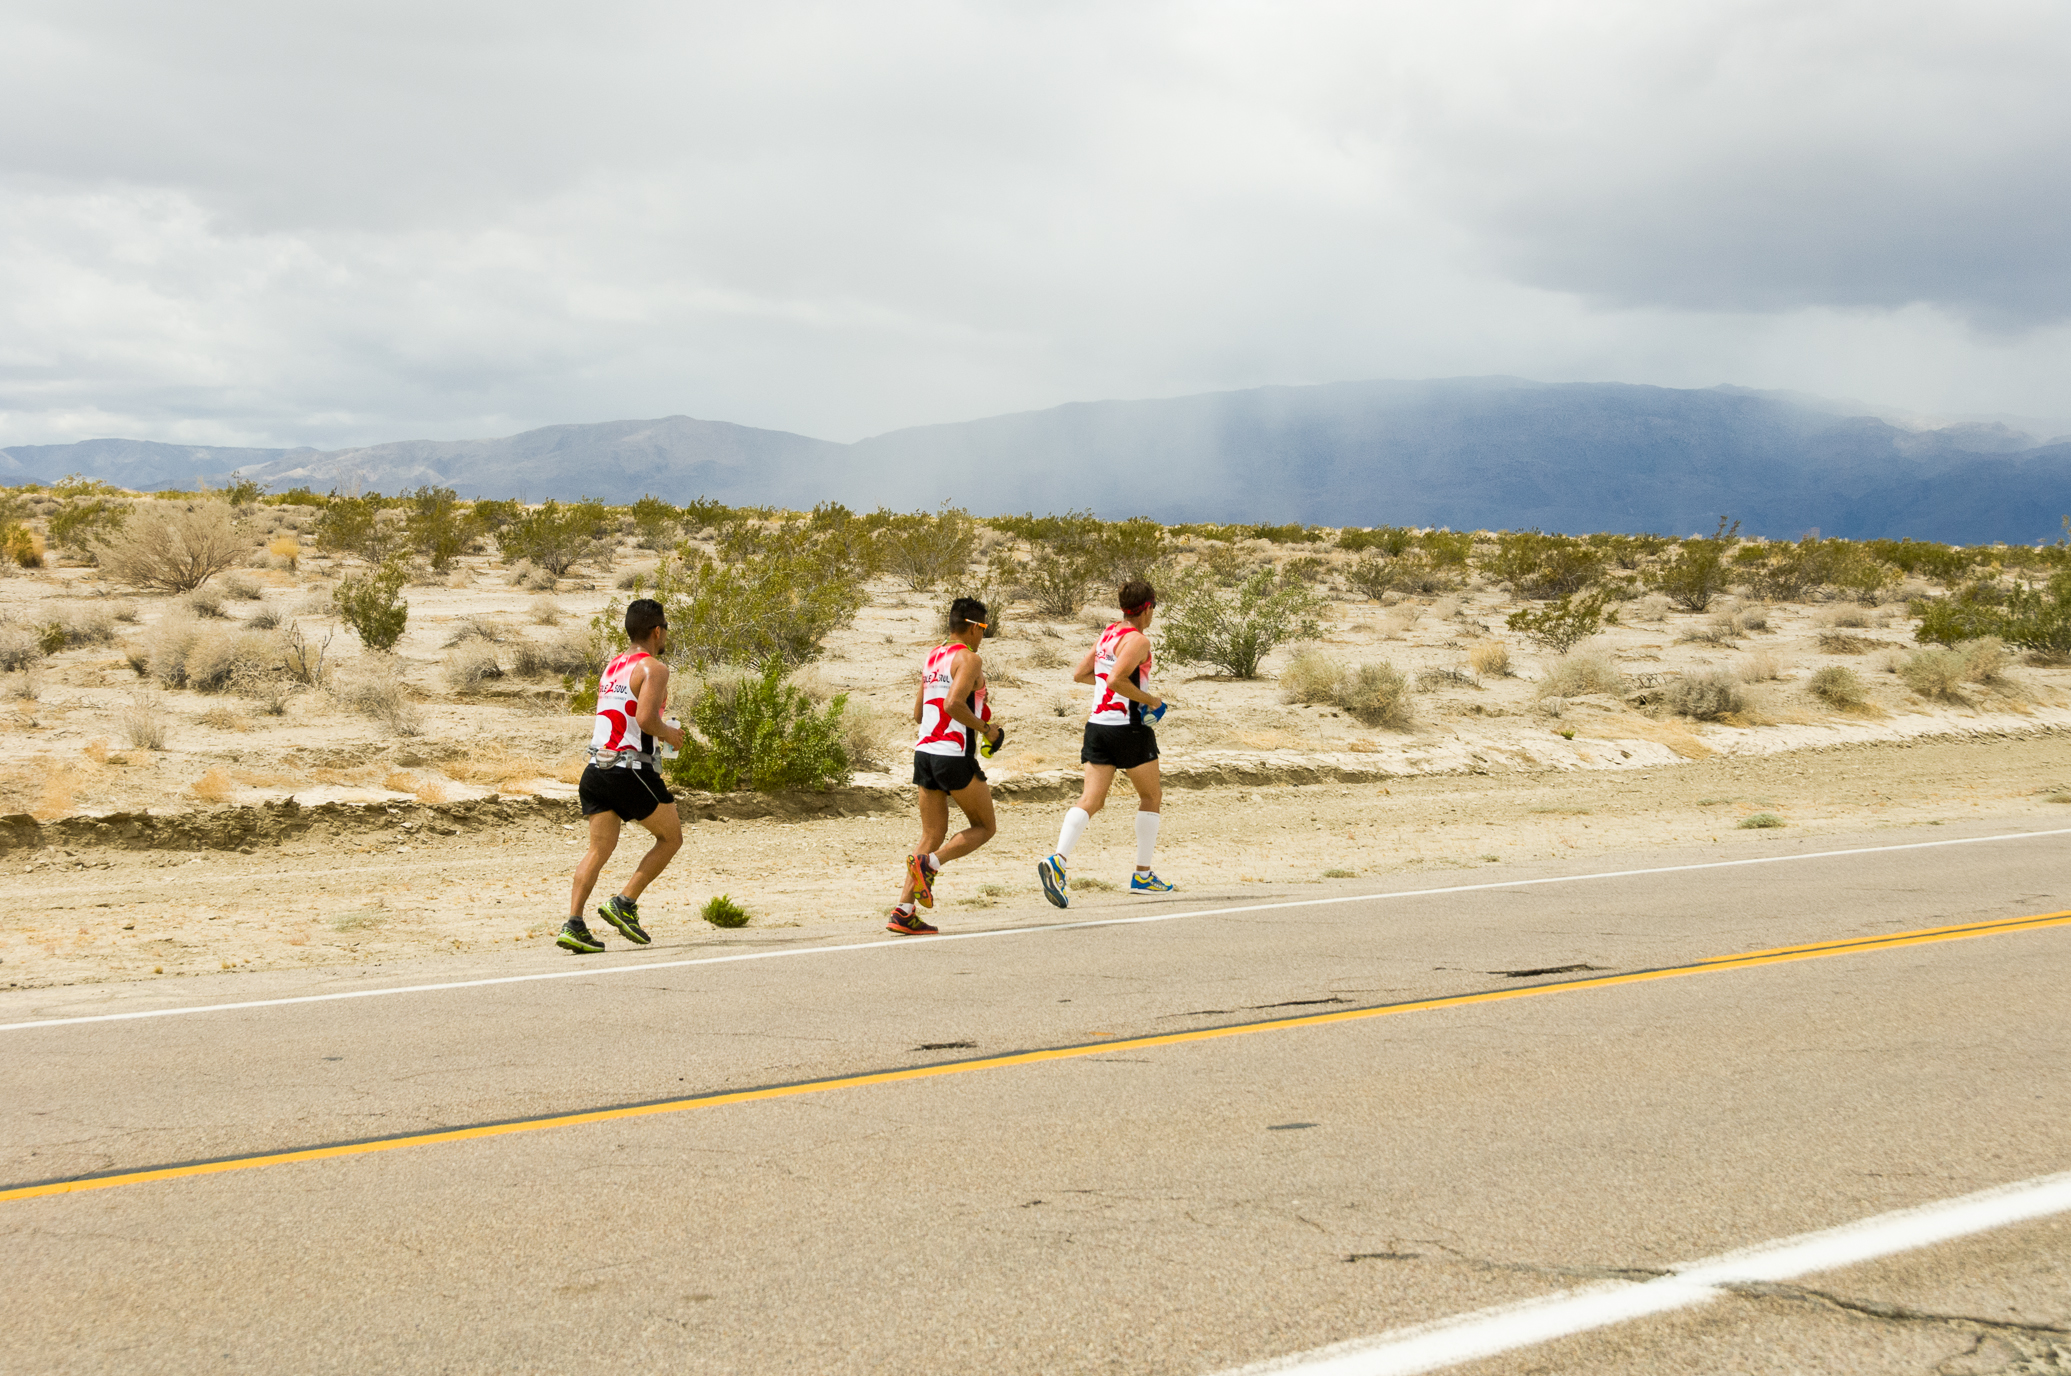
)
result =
(577, 937)
(910, 924)
(923, 881)
(624, 914)
(1148, 883)
(1056, 887)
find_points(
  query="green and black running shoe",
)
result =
(624, 914)
(577, 937)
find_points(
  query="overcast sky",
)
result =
(229, 221)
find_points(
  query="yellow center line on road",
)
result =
(1743, 961)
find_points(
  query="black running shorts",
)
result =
(1124, 747)
(945, 773)
(631, 793)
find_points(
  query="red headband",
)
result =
(1140, 608)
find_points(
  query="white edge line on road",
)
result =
(926, 943)
(1489, 1332)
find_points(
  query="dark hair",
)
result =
(1135, 595)
(964, 611)
(643, 614)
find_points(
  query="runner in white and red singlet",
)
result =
(621, 782)
(952, 714)
(1119, 735)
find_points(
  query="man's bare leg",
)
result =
(667, 828)
(604, 828)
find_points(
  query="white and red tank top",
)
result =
(940, 733)
(1109, 707)
(616, 725)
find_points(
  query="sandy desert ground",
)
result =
(321, 836)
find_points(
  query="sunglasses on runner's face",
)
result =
(979, 624)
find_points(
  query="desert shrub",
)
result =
(922, 550)
(1534, 564)
(1582, 671)
(760, 732)
(1306, 568)
(86, 520)
(1758, 821)
(655, 522)
(172, 546)
(468, 667)
(494, 516)
(239, 588)
(1566, 622)
(1448, 549)
(21, 647)
(1837, 686)
(1700, 571)
(436, 527)
(373, 687)
(67, 626)
(569, 653)
(1752, 619)
(1376, 576)
(546, 612)
(1376, 695)
(1388, 540)
(20, 546)
(1311, 677)
(1984, 660)
(305, 661)
(1720, 630)
(1431, 680)
(1650, 610)
(207, 602)
(1491, 659)
(1074, 555)
(287, 549)
(1841, 643)
(556, 536)
(1851, 618)
(1935, 672)
(477, 627)
(722, 911)
(1706, 695)
(373, 606)
(209, 659)
(1235, 629)
(352, 525)
(1761, 666)
(872, 738)
(143, 722)
(779, 603)
(264, 619)
(2037, 619)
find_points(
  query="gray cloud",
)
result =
(333, 223)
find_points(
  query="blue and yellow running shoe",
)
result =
(1056, 887)
(1145, 882)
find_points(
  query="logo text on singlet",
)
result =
(1109, 707)
(940, 733)
(616, 725)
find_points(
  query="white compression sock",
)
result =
(1074, 827)
(1146, 838)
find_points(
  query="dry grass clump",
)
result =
(570, 652)
(143, 722)
(26, 686)
(1985, 660)
(223, 719)
(263, 619)
(1840, 643)
(547, 612)
(213, 787)
(1650, 610)
(493, 762)
(1376, 695)
(1582, 671)
(1837, 686)
(1720, 630)
(373, 687)
(242, 589)
(1430, 680)
(183, 653)
(206, 602)
(468, 667)
(287, 549)
(1752, 619)
(1939, 672)
(317, 601)
(1311, 677)
(1491, 659)
(1760, 666)
(1704, 696)
(54, 798)
(483, 628)
(1848, 617)
(20, 648)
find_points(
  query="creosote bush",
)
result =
(1566, 622)
(172, 546)
(760, 732)
(373, 606)
(1235, 629)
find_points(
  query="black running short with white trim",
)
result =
(945, 773)
(631, 793)
(1124, 747)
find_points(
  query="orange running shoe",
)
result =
(923, 881)
(910, 924)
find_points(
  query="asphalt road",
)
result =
(1174, 1204)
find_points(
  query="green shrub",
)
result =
(350, 525)
(923, 550)
(1837, 686)
(1700, 570)
(556, 536)
(1388, 540)
(1376, 695)
(780, 603)
(493, 517)
(435, 525)
(1705, 696)
(655, 522)
(1759, 821)
(1376, 576)
(760, 733)
(373, 606)
(85, 520)
(1540, 565)
(1448, 548)
(1235, 629)
(2036, 619)
(1563, 624)
(1074, 555)
(722, 911)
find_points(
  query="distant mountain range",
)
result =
(1463, 452)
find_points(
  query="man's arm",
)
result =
(962, 686)
(920, 698)
(1084, 673)
(654, 698)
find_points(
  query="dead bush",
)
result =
(546, 612)
(1936, 673)
(1311, 677)
(373, 686)
(1850, 617)
(264, 619)
(1841, 643)
(1650, 610)
(242, 589)
(468, 667)
(1985, 660)
(20, 648)
(1704, 696)
(1837, 686)
(1491, 659)
(484, 628)
(1761, 666)
(1376, 695)
(570, 652)
(143, 722)
(1720, 630)
(206, 602)
(172, 546)
(213, 787)
(1582, 671)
